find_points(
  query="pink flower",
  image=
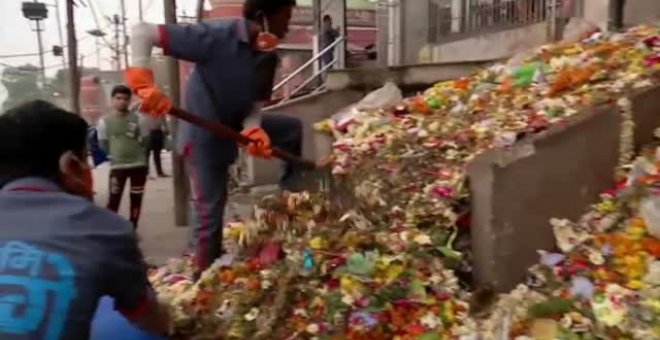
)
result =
(652, 41)
(652, 60)
(362, 302)
(443, 192)
(332, 283)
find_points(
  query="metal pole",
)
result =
(179, 182)
(74, 81)
(59, 30)
(123, 31)
(316, 20)
(140, 11)
(98, 52)
(42, 65)
(342, 50)
(200, 10)
(117, 49)
(391, 33)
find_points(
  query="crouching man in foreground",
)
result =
(59, 252)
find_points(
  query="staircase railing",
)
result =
(456, 19)
(306, 65)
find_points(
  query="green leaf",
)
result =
(551, 308)
(450, 253)
(361, 264)
(417, 289)
(429, 336)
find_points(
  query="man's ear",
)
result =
(70, 164)
(75, 175)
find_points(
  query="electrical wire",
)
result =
(19, 70)
(96, 19)
(5, 56)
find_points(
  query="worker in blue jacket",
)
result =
(225, 86)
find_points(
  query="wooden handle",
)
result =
(222, 130)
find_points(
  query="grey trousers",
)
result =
(209, 181)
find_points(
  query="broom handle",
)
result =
(222, 130)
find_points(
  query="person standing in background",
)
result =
(120, 136)
(330, 34)
(565, 11)
(618, 14)
(155, 132)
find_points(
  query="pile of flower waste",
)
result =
(407, 163)
(604, 283)
(388, 266)
(301, 271)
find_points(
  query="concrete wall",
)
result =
(597, 12)
(422, 75)
(558, 173)
(415, 27)
(494, 45)
(641, 11)
(636, 12)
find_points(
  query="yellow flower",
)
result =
(392, 272)
(318, 243)
(605, 207)
(635, 284)
(653, 304)
(350, 286)
(636, 231)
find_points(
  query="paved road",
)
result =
(160, 238)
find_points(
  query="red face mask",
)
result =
(267, 41)
(88, 182)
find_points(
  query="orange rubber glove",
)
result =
(154, 101)
(261, 145)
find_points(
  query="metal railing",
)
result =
(448, 18)
(303, 67)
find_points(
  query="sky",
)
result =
(17, 35)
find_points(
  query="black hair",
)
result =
(327, 17)
(121, 89)
(33, 137)
(252, 8)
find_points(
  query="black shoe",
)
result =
(163, 175)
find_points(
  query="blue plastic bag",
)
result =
(108, 324)
(98, 155)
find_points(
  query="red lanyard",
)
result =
(30, 188)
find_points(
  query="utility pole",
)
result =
(59, 30)
(115, 21)
(179, 182)
(42, 64)
(140, 11)
(72, 44)
(123, 31)
(200, 10)
(37, 11)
